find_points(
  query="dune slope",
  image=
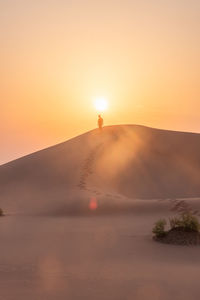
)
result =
(128, 160)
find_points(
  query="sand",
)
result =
(78, 220)
(107, 257)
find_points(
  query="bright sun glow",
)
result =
(101, 104)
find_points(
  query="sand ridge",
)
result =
(119, 164)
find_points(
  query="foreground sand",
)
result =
(93, 257)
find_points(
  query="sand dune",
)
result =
(115, 165)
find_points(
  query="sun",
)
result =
(101, 104)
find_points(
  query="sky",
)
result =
(58, 56)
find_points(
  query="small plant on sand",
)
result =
(159, 228)
(186, 221)
(184, 230)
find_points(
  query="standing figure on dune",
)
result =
(100, 122)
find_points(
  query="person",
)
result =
(100, 122)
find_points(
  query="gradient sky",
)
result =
(57, 56)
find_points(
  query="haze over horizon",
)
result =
(57, 57)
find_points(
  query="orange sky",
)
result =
(57, 56)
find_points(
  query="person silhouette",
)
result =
(100, 122)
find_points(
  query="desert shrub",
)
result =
(1, 212)
(187, 221)
(159, 228)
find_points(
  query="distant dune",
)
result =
(120, 162)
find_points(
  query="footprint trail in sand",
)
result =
(88, 169)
